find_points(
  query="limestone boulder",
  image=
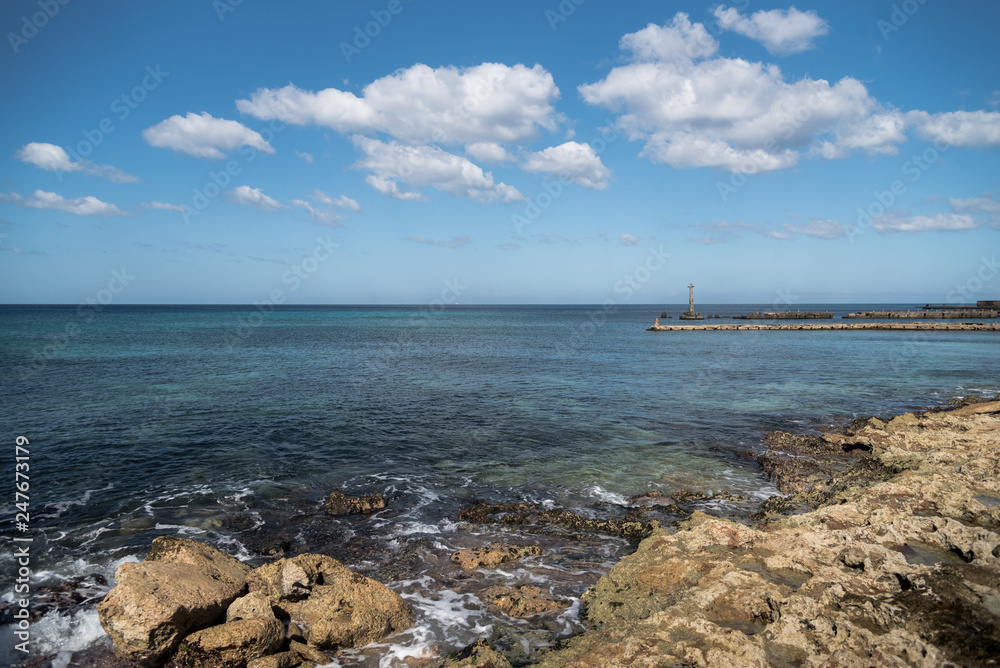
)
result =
(254, 605)
(231, 645)
(334, 606)
(182, 585)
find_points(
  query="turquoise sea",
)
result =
(230, 425)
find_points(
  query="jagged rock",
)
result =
(254, 605)
(494, 555)
(231, 645)
(522, 601)
(340, 504)
(897, 565)
(334, 606)
(180, 586)
(478, 655)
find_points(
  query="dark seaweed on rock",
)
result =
(632, 526)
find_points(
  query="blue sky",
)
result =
(400, 151)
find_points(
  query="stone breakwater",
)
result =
(885, 552)
(901, 326)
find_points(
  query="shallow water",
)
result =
(230, 426)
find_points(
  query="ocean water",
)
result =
(231, 425)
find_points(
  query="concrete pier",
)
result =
(860, 326)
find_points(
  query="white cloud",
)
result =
(819, 227)
(80, 206)
(899, 222)
(390, 188)
(490, 102)
(165, 207)
(958, 128)
(323, 217)
(680, 40)
(975, 205)
(392, 162)
(488, 151)
(305, 156)
(781, 31)
(701, 111)
(573, 162)
(627, 240)
(54, 158)
(343, 201)
(203, 136)
(248, 196)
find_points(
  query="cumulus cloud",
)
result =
(781, 31)
(627, 240)
(248, 196)
(322, 216)
(901, 222)
(305, 156)
(694, 109)
(488, 151)
(573, 162)
(54, 158)
(958, 128)
(490, 102)
(203, 136)
(679, 40)
(391, 163)
(80, 206)
(456, 242)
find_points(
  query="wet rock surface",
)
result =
(632, 526)
(891, 560)
(338, 503)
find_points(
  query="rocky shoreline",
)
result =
(885, 552)
(884, 549)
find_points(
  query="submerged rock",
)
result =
(632, 526)
(340, 504)
(494, 555)
(522, 601)
(180, 586)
